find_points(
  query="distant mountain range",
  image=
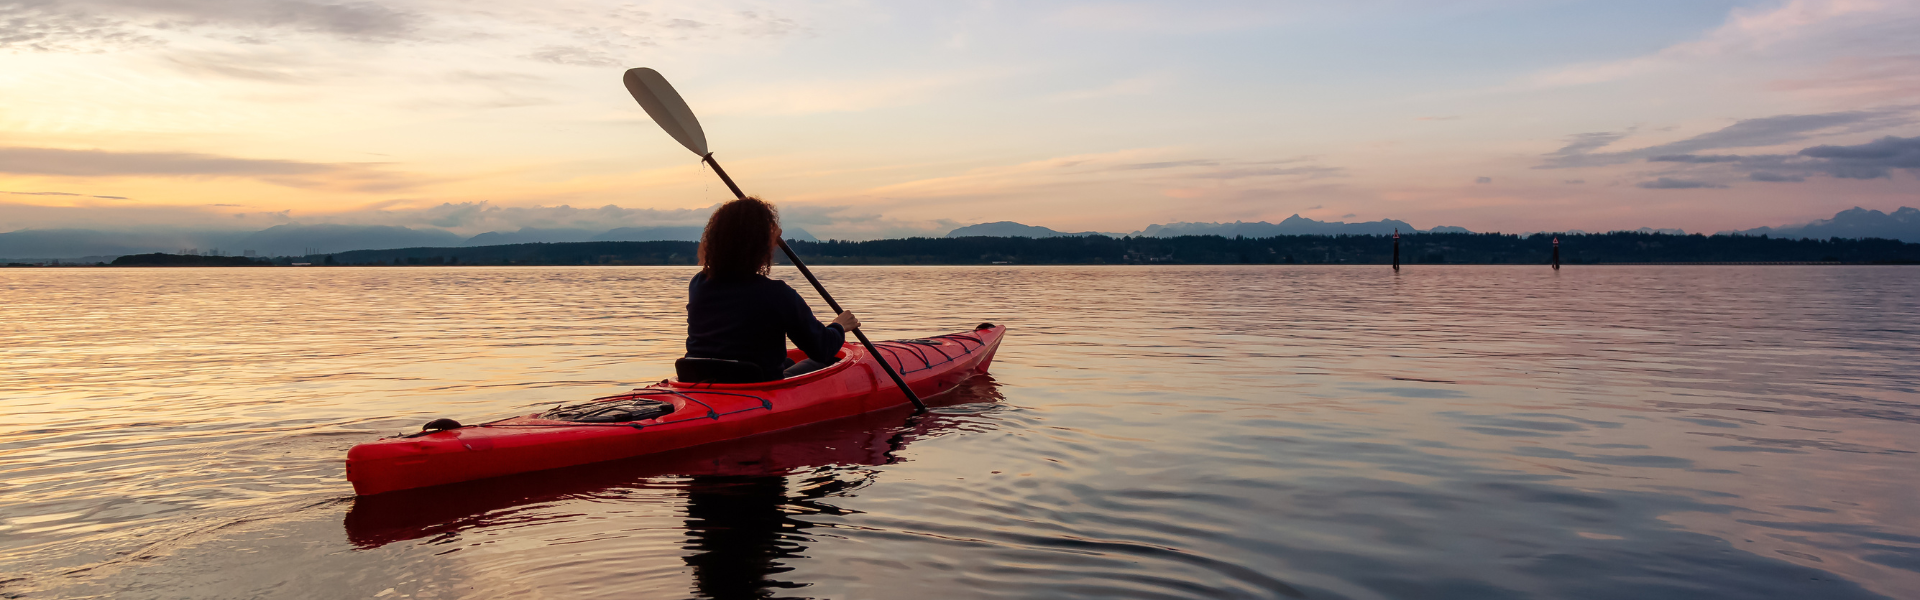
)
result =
(1856, 222)
(1294, 225)
(1012, 229)
(71, 244)
(284, 240)
(1625, 247)
(90, 245)
(530, 235)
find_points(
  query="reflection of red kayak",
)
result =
(694, 414)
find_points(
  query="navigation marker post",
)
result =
(1396, 249)
(1556, 253)
(669, 111)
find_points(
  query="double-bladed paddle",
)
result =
(671, 113)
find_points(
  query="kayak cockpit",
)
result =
(841, 362)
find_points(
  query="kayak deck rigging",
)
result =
(637, 392)
(893, 347)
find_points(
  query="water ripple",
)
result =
(1181, 432)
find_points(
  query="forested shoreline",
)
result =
(1415, 249)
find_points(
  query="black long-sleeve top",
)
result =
(744, 318)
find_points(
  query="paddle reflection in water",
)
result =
(746, 501)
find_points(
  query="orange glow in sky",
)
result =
(882, 119)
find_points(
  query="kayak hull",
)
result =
(703, 414)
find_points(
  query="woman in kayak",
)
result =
(736, 313)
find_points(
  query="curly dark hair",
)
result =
(739, 239)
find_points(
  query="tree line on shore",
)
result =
(162, 259)
(1415, 249)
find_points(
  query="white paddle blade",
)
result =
(665, 106)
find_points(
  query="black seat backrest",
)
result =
(717, 370)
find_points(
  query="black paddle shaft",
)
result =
(795, 258)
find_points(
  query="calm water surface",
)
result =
(1206, 432)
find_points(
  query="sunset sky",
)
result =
(870, 119)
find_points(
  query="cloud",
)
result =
(855, 223)
(1860, 79)
(101, 25)
(102, 163)
(477, 217)
(1000, 178)
(115, 217)
(1745, 33)
(41, 27)
(1582, 143)
(65, 194)
(1228, 170)
(1449, 118)
(574, 55)
(1745, 133)
(1770, 131)
(1307, 172)
(1173, 18)
(463, 218)
(1668, 183)
(359, 21)
(1483, 180)
(1574, 181)
(275, 65)
(1696, 158)
(493, 77)
(766, 24)
(1872, 160)
(1167, 165)
(1048, 177)
(91, 26)
(1128, 178)
(627, 28)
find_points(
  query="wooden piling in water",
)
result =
(1396, 249)
(1556, 253)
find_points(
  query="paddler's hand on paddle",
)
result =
(847, 321)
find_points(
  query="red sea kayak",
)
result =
(680, 415)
